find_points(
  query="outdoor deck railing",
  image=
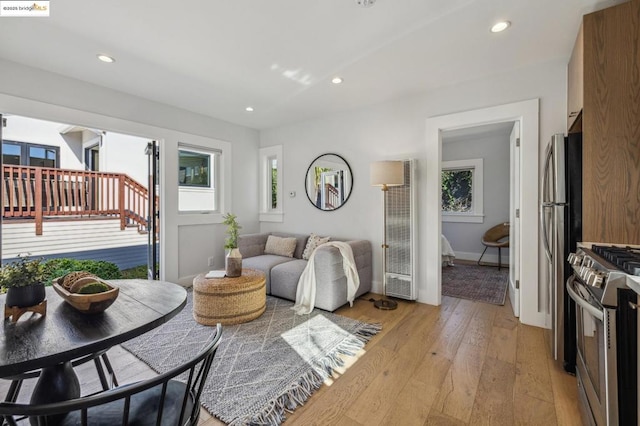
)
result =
(38, 192)
(331, 197)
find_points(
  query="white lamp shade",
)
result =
(389, 173)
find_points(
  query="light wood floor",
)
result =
(463, 363)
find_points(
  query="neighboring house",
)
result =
(82, 226)
(32, 142)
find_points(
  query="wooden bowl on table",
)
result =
(88, 303)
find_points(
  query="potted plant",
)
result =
(24, 281)
(233, 259)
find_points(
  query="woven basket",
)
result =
(229, 300)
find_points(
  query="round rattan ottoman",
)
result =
(229, 300)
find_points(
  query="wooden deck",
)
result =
(463, 363)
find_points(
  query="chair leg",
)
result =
(499, 258)
(485, 249)
(14, 390)
(101, 375)
(112, 374)
(9, 420)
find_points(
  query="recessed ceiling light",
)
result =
(337, 80)
(106, 58)
(249, 109)
(500, 26)
(365, 3)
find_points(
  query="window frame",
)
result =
(476, 214)
(25, 150)
(216, 184)
(266, 156)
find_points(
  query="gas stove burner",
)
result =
(626, 259)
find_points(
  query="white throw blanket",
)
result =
(306, 292)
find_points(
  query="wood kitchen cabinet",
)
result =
(611, 125)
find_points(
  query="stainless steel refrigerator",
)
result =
(561, 216)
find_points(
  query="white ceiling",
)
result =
(216, 57)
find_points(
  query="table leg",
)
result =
(55, 384)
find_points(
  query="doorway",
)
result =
(92, 158)
(477, 181)
(527, 113)
(93, 191)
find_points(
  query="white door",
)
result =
(514, 219)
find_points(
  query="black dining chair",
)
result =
(172, 398)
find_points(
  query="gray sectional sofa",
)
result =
(282, 273)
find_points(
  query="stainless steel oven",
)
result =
(606, 336)
(596, 367)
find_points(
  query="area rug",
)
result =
(482, 283)
(264, 368)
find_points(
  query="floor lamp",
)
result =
(385, 174)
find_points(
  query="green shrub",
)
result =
(101, 268)
(137, 272)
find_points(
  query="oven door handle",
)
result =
(583, 303)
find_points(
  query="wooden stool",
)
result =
(229, 300)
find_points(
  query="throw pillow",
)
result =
(280, 246)
(312, 243)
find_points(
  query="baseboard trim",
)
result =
(487, 258)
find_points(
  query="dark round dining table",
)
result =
(64, 334)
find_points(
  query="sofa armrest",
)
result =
(328, 264)
(251, 245)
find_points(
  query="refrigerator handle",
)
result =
(545, 175)
(546, 203)
(545, 238)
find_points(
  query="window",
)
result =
(271, 184)
(195, 169)
(462, 191)
(457, 190)
(11, 154)
(30, 154)
(198, 179)
(42, 157)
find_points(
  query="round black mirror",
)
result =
(329, 182)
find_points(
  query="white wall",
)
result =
(187, 240)
(125, 154)
(465, 238)
(396, 130)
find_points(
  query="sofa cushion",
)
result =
(264, 263)
(312, 243)
(280, 246)
(301, 242)
(252, 244)
(285, 277)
